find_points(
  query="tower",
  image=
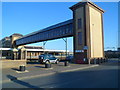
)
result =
(88, 31)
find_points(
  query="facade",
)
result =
(112, 54)
(6, 42)
(32, 52)
(88, 31)
(86, 27)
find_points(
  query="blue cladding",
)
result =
(64, 29)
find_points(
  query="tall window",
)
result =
(80, 38)
(80, 23)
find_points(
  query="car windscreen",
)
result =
(52, 58)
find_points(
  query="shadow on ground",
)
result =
(33, 63)
(40, 66)
(15, 69)
(14, 79)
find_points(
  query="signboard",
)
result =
(79, 50)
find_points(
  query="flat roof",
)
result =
(86, 2)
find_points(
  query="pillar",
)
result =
(88, 32)
(14, 54)
(30, 55)
(22, 54)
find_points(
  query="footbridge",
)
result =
(61, 30)
(86, 27)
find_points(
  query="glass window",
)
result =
(67, 30)
(58, 31)
(41, 36)
(80, 23)
(63, 29)
(80, 38)
(48, 34)
(71, 28)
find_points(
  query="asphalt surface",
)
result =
(36, 70)
(103, 76)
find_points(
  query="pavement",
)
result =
(74, 76)
(39, 70)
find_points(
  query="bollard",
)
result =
(99, 61)
(66, 63)
(95, 61)
(104, 60)
(92, 61)
(22, 68)
(47, 65)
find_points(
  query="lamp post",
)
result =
(65, 45)
(44, 42)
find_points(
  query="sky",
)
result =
(27, 17)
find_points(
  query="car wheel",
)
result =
(57, 62)
(47, 61)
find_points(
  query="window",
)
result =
(70, 28)
(80, 23)
(80, 38)
(67, 30)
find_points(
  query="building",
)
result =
(112, 54)
(6, 42)
(32, 52)
(86, 27)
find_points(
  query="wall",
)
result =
(96, 33)
(79, 13)
(12, 63)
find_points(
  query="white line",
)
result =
(80, 68)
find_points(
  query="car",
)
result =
(69, 58)
(48, 58)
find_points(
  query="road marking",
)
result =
(79, 68)
(48, 68)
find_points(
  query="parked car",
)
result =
(69, 58)
(48, 58)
